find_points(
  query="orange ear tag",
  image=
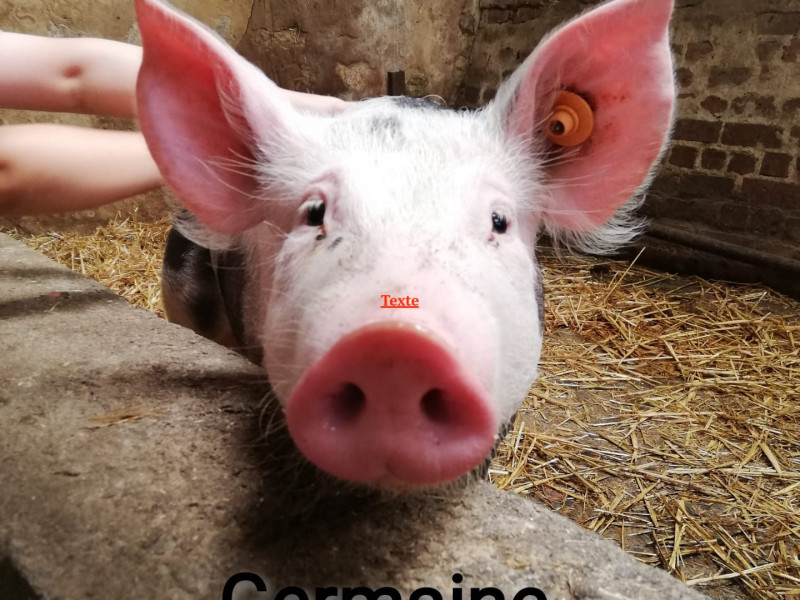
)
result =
(572, 121)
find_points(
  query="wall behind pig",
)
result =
(730, 180)
(726, 202)
(346, 48)
(734, 158)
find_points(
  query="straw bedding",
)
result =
(666, 417)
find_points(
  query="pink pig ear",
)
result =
(617, 57)
(204, 111)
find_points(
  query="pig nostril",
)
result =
(435, 406)
(348, 402)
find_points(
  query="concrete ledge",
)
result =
(132, 467)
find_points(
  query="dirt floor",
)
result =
(666, 416)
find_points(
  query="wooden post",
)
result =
(396, 83)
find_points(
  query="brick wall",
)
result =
(732, 172)
(505, 32)
(732, 169)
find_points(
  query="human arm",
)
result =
(48, 168)
(55, 168)
(78, 75)
(89, 76)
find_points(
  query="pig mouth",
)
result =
(389, 406)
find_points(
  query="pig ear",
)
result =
(618, 58)
(205, 112)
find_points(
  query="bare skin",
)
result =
(47, 168)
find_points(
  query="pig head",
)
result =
(333, 212)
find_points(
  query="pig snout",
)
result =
(390, 405)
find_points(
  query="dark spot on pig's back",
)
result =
(180, 252)
(388, 126)
(335, 243)
(231, 278)
(206, 312)
(202, 289)
(190, 285)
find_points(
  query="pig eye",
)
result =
(315, 213)
(499, 223)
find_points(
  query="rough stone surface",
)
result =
(114, 19)
(346, 49)
(132, 467)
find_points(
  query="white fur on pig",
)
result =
(409, 192)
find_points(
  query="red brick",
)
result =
(767, 220)
(715, 105)
(763, 105)
(751, 135)
(467, 24)
(702, 210)
(729, 76)
(471, 95)
(650, 206)
(685, 77)
(683, 156)
(793, 230)
(782, 23)
(664, 184)
(670, 206)
(525, 13)
(776, 164)
(696, 130)
(772, 193)
(496, 16)
(663, 206)
(697, 184)
(790, 107)
(697, 50)
(743, 164)
(699, 21)
(713, 159)
(735, 216)
(767, 50)
(792, 51)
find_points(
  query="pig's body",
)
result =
(202, 290)
(304, 221)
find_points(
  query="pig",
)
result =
(301, 221)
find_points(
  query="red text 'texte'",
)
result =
(407, 302)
